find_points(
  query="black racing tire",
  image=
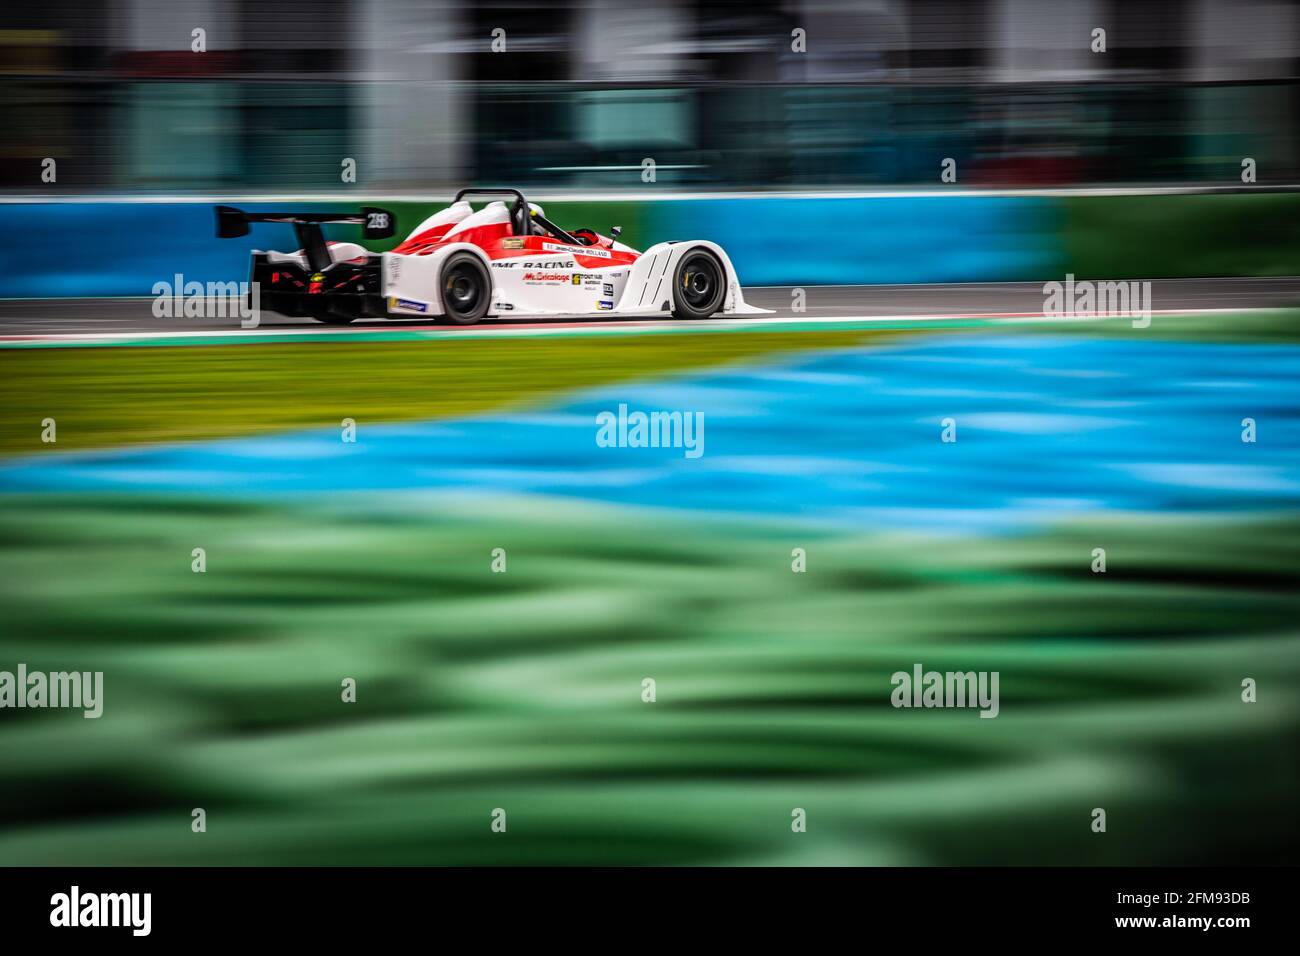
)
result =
(699, 285)
(466, 289)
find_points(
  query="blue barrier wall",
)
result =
(120, 248)
(817, 241)
(123, 248)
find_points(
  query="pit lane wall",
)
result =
(122, 248)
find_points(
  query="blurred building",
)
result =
(245, 96)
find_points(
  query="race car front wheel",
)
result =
(698, 289)
(466, 289)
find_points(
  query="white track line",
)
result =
(568, 327)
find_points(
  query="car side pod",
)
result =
(412, 285)
(650, 284)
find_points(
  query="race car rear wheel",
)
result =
(698, 287)
(466, 289)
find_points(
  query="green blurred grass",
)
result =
(522, 690)
(102, 397)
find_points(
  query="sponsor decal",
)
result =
(547, 264)
(503, 307)
(546, 277)
(604, 305)
(578, 250)
(409, 304)
(515, 243)
(608, 288)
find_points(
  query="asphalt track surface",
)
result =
(80, 317)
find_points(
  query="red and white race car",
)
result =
(461, 265)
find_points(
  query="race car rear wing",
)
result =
(376, 223)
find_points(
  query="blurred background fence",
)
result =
(428, 94)
(821, 101)
(124, 135)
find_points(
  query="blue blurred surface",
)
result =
(825, 241)
(1047, 428)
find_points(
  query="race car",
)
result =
(462, 265)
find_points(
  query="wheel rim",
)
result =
(463, 289)
(700, 282)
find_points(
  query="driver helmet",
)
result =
(536, 210)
